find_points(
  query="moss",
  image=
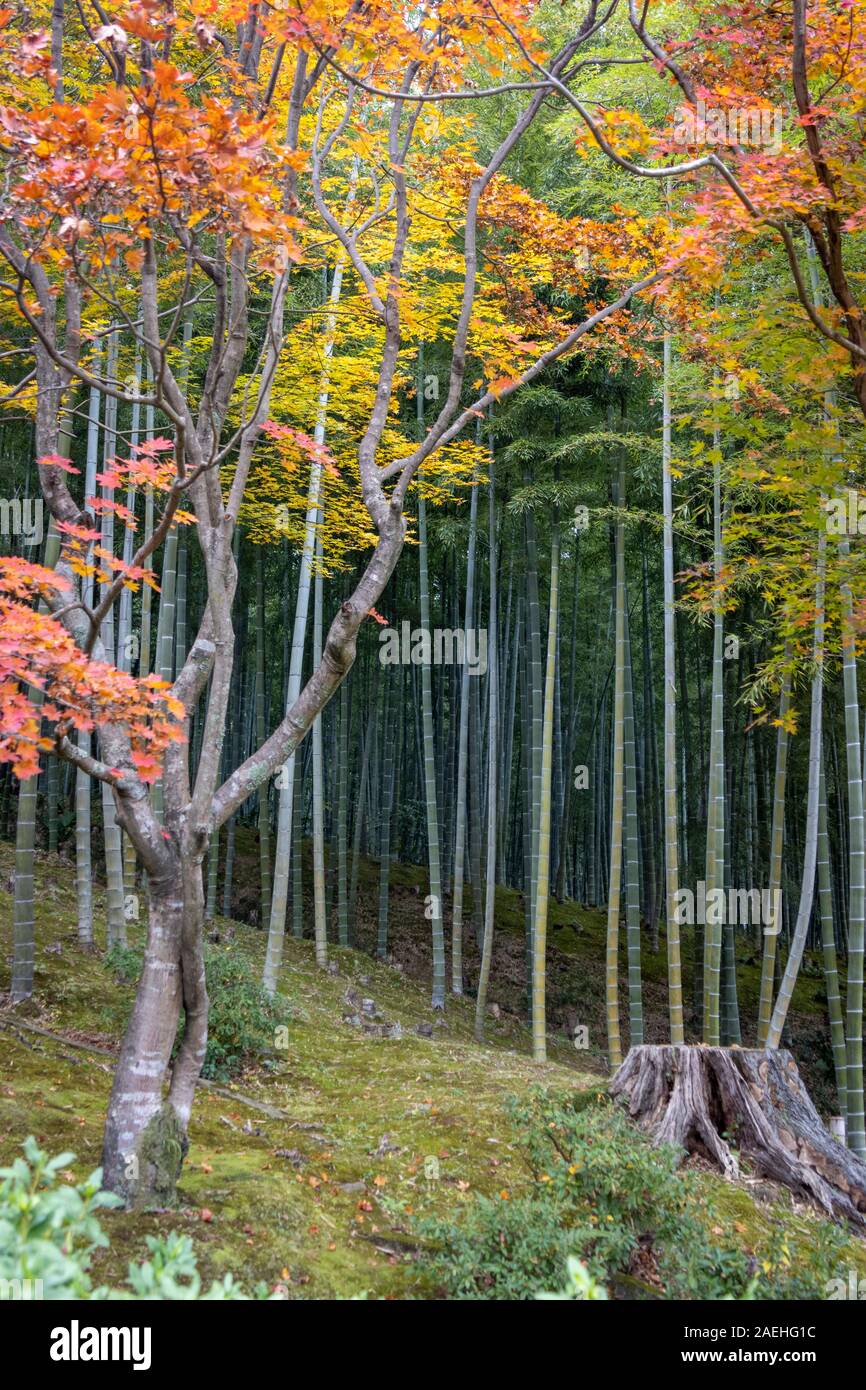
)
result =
(762, 1214)
(322, 1198)
(161, 1150)
(592, 1095)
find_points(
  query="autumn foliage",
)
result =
(75, 692)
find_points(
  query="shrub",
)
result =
(172, 1273)
(124, 962)
(242, 1016)
(49, 1231)
(602, 1194)
(579, 1284)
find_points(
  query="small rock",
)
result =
(363, 979)
(368, 1007)
(395, 1031)
(424, 1030)
(353, 1019)
(293, 1155)
(384, 1147)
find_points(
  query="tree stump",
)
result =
(697, 1097)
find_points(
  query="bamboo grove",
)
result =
(449, 450)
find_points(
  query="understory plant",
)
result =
(600, 1196)
(50, 1231)
(242, 1016)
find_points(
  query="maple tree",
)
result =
(192, 165)
(167, 160)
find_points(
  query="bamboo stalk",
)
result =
(539, 935)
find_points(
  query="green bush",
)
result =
(242, 1016)
(49, 1231)
(579, 1285)
(124, 962)
(172, 1273)
(601, 1193)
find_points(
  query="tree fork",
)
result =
(692, 1096)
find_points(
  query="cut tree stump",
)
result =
(697, 1098)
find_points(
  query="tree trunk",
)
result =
(768, 963)
(714, 872)
(810, 853)
(614, 1045)
(264, 820)
(672, 881)
(434, 905)
(83, 861)
(462, 763)
(835, 1009)
(145, 1133)
(492, 758)
(855, 1126)
(691, 1096)
(24, 909)
(343, 818)
(542, 874)
(390, 723)
(631, 846)
(320, 911)
(285, 819)
(535, 714)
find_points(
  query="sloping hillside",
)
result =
(309, 1169)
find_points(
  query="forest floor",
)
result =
(308, 1169)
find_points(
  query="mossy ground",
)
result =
(322, 1198)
